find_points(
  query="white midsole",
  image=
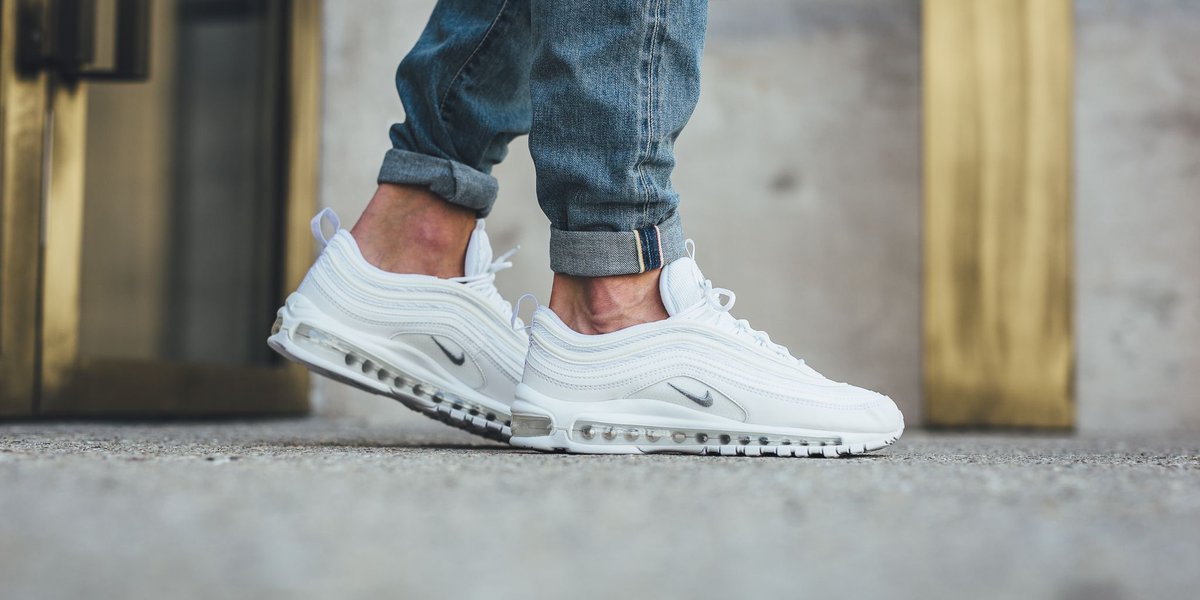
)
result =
(649, 413)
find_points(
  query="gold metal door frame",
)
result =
(41, 370)
(22, 143)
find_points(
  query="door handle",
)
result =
(60, 35)
(132, 51)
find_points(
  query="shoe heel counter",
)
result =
(321, 282)
(539, 358)
(309, 285)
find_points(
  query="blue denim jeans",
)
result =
(602, 87)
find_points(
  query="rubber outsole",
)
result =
(559, 442)
(371, 374)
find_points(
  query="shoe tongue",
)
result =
(681, 285)
(479, 252)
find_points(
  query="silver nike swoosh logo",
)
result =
(705, 401)
(457, 360)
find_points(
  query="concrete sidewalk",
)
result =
(346, 508)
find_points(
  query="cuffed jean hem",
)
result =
(453, 181)
(603, 253)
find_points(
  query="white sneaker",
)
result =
(443, 347)
(698, 382)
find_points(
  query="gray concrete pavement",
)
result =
(344, 508)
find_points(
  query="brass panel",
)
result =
(22, 121)
(124, 296)
(131, 387)
(998, 338)
(304, 152)
(141, 388)
(62, 263)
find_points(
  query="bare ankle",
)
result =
(594, 305)
(408, 229)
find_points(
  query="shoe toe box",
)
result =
(847, 409)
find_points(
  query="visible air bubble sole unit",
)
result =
(594, 436)
(337, 359)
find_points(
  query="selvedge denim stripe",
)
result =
(603, 88)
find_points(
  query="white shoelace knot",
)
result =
(485, 283)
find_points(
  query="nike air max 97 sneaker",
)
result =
(697, 382)
(442, 347)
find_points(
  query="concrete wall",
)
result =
(799, 173)
(1137, 157)
(801, 185)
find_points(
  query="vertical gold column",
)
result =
(63, 252)
(305, 54)
(998, 343)
(22, 121)
(303, 145)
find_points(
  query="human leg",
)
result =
(612, 84)
(638, 352)
(405, 305)
(465, 91)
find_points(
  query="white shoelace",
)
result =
(713, 296)
(485, 283)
